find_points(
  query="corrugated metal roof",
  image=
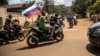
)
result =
(15, 6)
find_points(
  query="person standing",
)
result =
(75, 20)
(95, 18)
(62, 21)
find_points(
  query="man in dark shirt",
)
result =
(70, 20)
(57, 20)
(7, 25)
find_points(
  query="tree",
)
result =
(26, 5)
(93, 1)
(40, 3)
(3, 2)
(81, 6)
(48, 6)
(95, 8)
(62, 9)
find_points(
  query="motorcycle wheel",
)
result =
(71, 25)
(32, 41)
(59, 36)
(21, 37)
(1, 42)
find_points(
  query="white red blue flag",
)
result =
(33, 10)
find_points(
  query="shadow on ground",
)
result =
(9, 43)
(39, 45)
(93, 49)
(70, 27)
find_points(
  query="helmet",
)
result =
(43, 13)
(56, 14)
(10, 16)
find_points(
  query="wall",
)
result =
(22, 18)
(3, 14)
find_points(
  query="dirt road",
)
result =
(75, 43)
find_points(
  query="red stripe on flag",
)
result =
(34, 13)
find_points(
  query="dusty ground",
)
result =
(75, 43)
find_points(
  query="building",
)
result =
(3, 14)
(5, 11)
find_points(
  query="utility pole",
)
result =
(46, 4)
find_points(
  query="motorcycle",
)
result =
(71, 24)
(37, 35)
(16, 34)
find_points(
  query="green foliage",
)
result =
(93, 1)
(51, 8)
(91, 10)
(29, 4)
(48, 6)
(62, 9)
(80, 6)
(95, 8)
(3, 2)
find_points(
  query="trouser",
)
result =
(71, 24)
(95, 20)
(9, 30)
(75, 21)
(50, 28)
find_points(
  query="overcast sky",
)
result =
(57, 2)
(66, 2)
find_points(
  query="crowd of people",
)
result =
(47, 21)
(72, 19)
(55, 19)
(47, 24)
(10, 26)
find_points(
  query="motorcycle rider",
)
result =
(42, 24)
(16, 27)
(7, 25)
(70, 20)
(56, 20)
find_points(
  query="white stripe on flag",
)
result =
(28, 9)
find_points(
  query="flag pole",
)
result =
(32, 21)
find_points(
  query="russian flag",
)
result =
(33, 10)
